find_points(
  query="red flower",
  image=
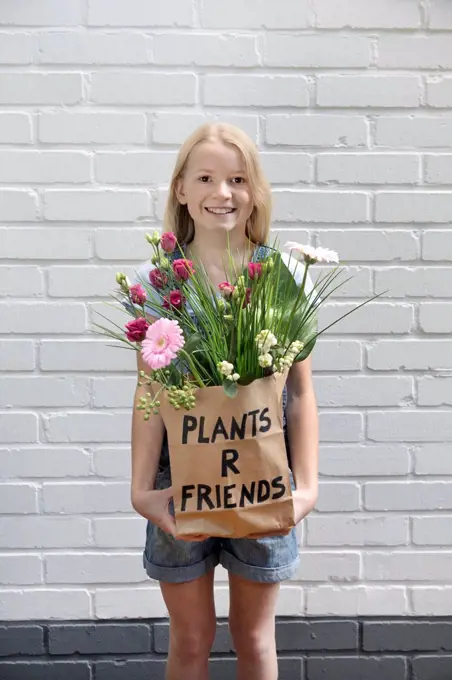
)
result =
(174, 299)
(254, 270)
(158, 278)
(183, 269)
(247, 299)
(168, 241)
(136, 329)
(137, 294)
(226, 289)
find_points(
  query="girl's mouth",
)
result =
(220, 211)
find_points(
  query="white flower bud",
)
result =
(240, 285)
(225, 368)
(296, 347)
(164, 263)
(265, 360)
(265, 340)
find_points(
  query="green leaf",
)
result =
(193, 343)
(230, 388)
(304, 327)
(287, 289)
(307, 349)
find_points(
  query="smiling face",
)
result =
(215, 189)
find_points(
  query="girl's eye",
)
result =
(235, 180)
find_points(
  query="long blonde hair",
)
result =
(178, 219)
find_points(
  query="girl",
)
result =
(218, 195)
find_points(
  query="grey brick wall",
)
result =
(308, 649)
(350, 104)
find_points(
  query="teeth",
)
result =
(220, 211)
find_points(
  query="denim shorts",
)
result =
(268, 560)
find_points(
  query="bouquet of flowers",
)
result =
(257, 323)
(218, 361)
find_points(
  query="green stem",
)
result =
(192, 367)
(296, 303)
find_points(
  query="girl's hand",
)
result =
(189, 538)
(304, 501)
(153, 505)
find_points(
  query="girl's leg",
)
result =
(252, 626)
(191, 609)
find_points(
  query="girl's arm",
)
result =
(303, 430)
(147, 438)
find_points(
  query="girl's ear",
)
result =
(180, 194)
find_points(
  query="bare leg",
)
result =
(191, 608)
(252, 626)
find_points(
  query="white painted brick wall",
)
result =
(351, 105)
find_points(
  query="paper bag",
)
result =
(229, 466)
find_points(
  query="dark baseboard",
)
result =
(364, 648)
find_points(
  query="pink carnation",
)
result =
(174, 299)
(137, 294)
(158, 278)
(136, 329)
(168, 241)
(163, 340)
(226, 289)
(254, 270)
(183, 269)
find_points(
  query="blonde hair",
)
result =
(178, 219)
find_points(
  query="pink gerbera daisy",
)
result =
(163, 340)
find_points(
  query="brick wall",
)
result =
(308, 649)
(351, 105)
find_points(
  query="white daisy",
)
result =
(312, 255)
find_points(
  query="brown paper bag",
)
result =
(228, 460)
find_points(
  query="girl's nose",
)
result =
(223, 189)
